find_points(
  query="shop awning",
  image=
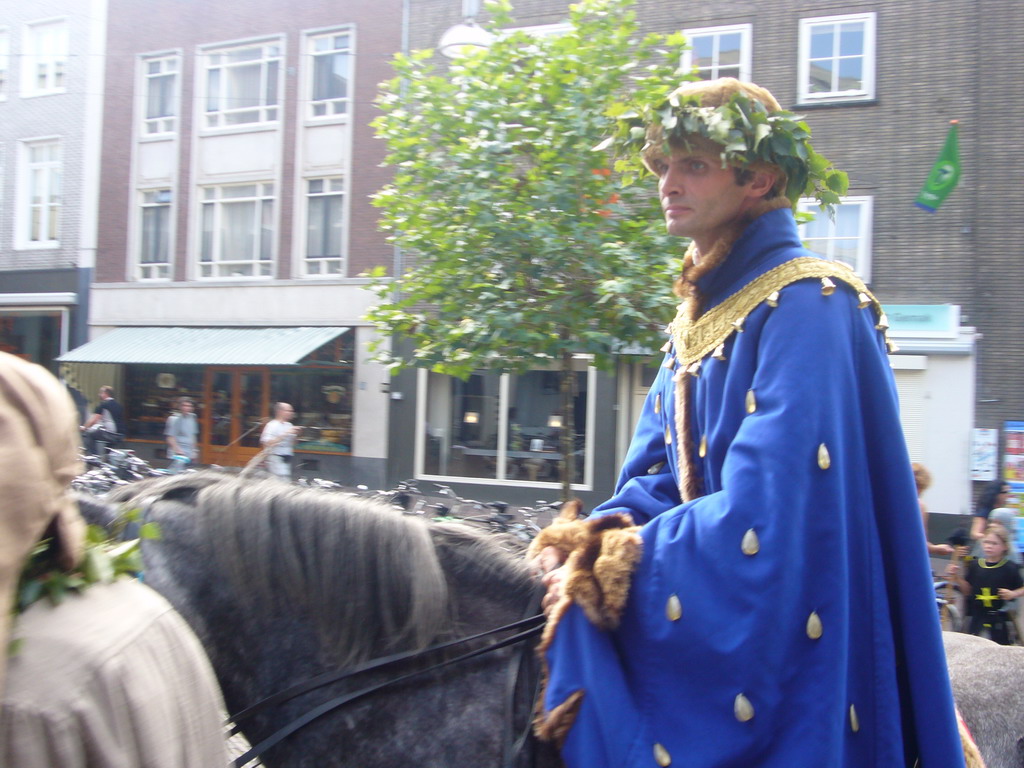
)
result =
(203, 346)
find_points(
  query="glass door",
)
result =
(239, 408)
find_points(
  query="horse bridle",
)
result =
(521, 630)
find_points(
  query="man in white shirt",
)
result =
(278, 439)
(182, 432)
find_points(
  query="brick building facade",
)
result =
(51, 87)
(234, 217)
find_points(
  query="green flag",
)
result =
(944, 176)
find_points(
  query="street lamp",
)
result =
(463, 38)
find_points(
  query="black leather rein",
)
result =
(522, 630)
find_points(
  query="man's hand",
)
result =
(550, 563)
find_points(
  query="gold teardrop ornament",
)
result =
(751, 401)
(854, 720)
(670, 363)
(673, 608)
(657, 403)
(738, 325)
(702, 450)
(719, 353)
(750, 545)
(827, 286)
(668, 435)
(694, 369)
(883, 323)
(863, 300)
(824, 460)
(814, 627)
(773, 299)
(661, 756)
(666, 346)
(742, 708)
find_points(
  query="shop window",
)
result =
(497, 428)
(322, 399)
(150, 392)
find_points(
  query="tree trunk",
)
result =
(568, 436)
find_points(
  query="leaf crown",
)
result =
(747, 131)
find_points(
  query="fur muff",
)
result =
(600, 556)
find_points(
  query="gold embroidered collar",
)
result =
(695, 341)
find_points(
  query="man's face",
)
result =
(700, 198)
(187, 407)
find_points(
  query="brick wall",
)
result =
(145, 26)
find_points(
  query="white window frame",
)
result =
(150, 271)
(5, 62)
(25, 205)
(268, 109)
(865, 223)
(500, 458)
(54, 61)
(336, 186)
(212, 198)
(169, 65)
(336, 109)
(746, 45)
(867, 90)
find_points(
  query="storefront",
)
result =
(234, 375)
(35, 326)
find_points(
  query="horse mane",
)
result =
(371, 578)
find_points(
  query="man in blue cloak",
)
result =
(757, 592)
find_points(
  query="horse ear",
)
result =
(571, 510)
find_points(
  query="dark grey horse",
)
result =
(282, 583)
(988, 685)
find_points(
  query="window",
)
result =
(325, 209)
(46, 53)
(496, 428)
(837, 58)
(719, 52)
(847, 239)
(5, 62)
(155, 239)
(237, 231)
(160, 92)
(40, 194)
(331, 75)
(242, 85)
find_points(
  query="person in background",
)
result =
(990, 583)
(106, 424)
(992, 499)
(182, 433)
(112, 676)
(278, 440)
(923, 480)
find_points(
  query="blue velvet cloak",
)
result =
(813, 641)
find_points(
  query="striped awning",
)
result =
(203, 346)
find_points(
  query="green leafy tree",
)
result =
(524, 245)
